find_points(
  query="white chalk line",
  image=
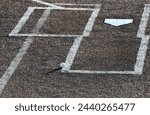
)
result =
(22, 21)
(90, 23)
(73, 50)
(143, 23)
(70, 4)
(47, 4)
(100, 72)
(141, 55)
(72, 53)
(63, 8)
(47, 35)
(24, 48)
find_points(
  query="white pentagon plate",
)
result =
(118, 22)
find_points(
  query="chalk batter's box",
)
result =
(138, 65)
(83, 21)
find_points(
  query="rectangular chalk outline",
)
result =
(138, 69)
(30, 10)
(139, 65)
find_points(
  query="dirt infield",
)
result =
(107, 48)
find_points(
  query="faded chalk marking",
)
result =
(14, 64)
(22, 21)
(46, 3)
(72, 53)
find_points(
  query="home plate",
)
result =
(118, 22)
